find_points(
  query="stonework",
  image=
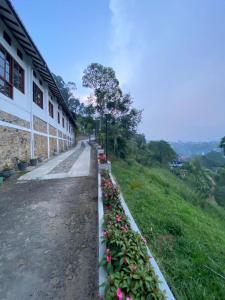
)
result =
(39, 125)
(4, 116)
(52, 130)
(14, 143)
(40, 145)
(53, 146)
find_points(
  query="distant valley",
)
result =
(191, 149)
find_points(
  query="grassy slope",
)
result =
(183, 237)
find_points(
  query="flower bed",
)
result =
(102, 158)
(129, 274)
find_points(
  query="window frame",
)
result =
(3, 78)
(22, 88)
(51, 109)
(7, 38)
(19, 53)
(58, 117)
(35, 86)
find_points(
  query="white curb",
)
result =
(101, 250)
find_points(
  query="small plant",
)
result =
(7, 171)
(126, 261)
(23, 161)
(6, 167)
(22, 164)
(33, 161)
(102, 158)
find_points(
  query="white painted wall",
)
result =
(22, 105)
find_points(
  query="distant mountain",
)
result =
(190, 149)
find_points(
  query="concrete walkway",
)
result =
(48, 234)
(73, 163)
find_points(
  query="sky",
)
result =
(169, 55)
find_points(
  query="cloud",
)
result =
(122, 41)
(170, 56)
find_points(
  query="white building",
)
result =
(34, 118)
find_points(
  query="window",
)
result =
(20, 54)
(58, 117)
(6, 80)
(37, 95)
(63, 122)
(50, 109)
(40, 81)
(7, 37)
(18, 76)
(34, 73)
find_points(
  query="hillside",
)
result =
(188, 241)
(190, 149)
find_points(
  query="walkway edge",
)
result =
(162, 282)
(101, 248)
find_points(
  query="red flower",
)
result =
(102, 158)
(109, 258)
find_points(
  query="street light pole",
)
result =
(106, 113)
(106, 136)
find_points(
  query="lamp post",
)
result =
(106, 114)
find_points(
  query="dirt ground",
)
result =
(48, 239)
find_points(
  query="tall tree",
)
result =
(102, 80)
(161, 152)
(121, 117)
(222, 144)
(67, 90)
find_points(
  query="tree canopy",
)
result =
(222, 144)
(121, 116)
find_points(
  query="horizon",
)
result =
(169, 56)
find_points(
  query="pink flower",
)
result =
(124, 228)
(106, 234)
(129, 298)
(119, 294)
(109, 258)
(118, 218)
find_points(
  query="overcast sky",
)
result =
(170, 55)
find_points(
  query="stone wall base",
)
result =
(14, 143)
(53, 146)
(40, 145)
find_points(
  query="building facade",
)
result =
(34, 118)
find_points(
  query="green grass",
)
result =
(183, 236)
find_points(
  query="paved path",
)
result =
(48, 237)
(73, 163)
